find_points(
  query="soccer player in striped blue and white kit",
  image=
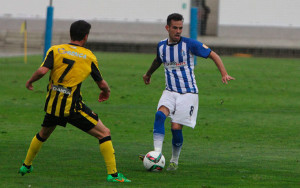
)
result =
(179, 100)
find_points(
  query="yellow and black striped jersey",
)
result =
(70, 65)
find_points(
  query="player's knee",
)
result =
(45, 132)
(99, 132)
(105, 132)
(164, 109)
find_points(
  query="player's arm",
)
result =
(102, 84)
(38, 74)
(105, 90)
(216, 58)
(152, 69)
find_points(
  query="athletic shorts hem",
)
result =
(84, 119)
(184, 124)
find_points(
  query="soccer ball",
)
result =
(154, 161)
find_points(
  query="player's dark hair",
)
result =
(175, 17)
(79, 29)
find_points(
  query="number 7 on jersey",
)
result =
(70, 65)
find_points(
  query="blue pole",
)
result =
(194, 23)
(194, 26)
(48, 33)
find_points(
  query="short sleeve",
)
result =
(158, 59)
(95, 73)
(49, 60)
(200, 49)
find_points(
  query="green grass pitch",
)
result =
(247, 133)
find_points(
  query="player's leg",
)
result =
(36, 143)
(159, 127)
(89, 122)
(185, 114)
(177, 141)
(165, 105)
(101, 132)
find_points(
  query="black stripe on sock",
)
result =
(115, 174)
(40, 138)
(104, 139)
(28, 167)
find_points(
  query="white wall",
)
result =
(260, 12)
(116, 10)
(231, 12)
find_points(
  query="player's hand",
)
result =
(29, 85)
(227, 78)
(147, 79)
(103, 96)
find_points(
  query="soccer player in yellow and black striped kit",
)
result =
(70, 65)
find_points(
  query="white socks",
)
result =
(158, 140)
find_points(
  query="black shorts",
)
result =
(84, 119)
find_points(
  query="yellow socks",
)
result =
(108, 153)
(106, 149)
(34, 148)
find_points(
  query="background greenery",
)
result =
(247, 133)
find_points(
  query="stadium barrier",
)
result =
(143, 37)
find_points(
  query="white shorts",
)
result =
(183, 107)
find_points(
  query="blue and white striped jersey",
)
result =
(178, 60)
